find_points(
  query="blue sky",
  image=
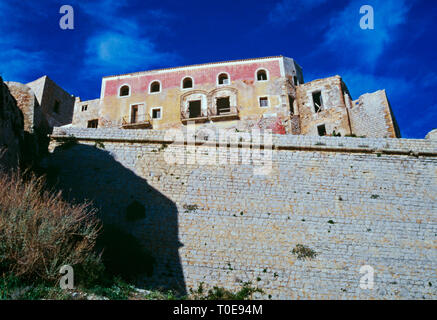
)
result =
(323, 36)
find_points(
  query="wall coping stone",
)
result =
(413, 147)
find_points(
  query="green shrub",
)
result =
(40, 232)
(11, 287)
(218, 293)
(303, 252)
(118, 290)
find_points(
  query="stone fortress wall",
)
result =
(353, 201)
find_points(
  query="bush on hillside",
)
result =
(40, 232)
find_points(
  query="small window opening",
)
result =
(134, 114)
(84, 107)
(56, 106)
(263, 102)
(291, 102)
(295, 81)
(321, 130)
(223, 79)
(93, 123)
(194, 108)
(155, 87)
(156, 113)
(187, 83)
(261, 75)
(124, 91)
(317, 100)
(223, 105)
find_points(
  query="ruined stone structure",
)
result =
(56, 103)
(11, 129)
(353, 201)
(34, 108)
(265, 93)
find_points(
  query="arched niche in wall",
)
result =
(194, 104)
(222, 98)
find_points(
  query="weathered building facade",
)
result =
(264, 93)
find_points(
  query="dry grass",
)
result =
(40, 232)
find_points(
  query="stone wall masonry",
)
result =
(47, 93)
(36, 126)
(371, 116)
(354, 201)
(333, 114)
(11, 129)
(26, 101)
(81, 117)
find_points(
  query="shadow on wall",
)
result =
(140, 238)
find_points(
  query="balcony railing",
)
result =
(222, 114)
(136, 121)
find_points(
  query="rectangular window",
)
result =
(56, 106)
(263, 102)
(156, 113)
(84, 107)
(93, 123)
(194, 108)
(291, 102)
(321, 130)
(317, 101)
(134, 114)
(223, 105)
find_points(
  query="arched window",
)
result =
(261, 75)
(187, 83)
(155, 86)
(223, 78)
(124, 91)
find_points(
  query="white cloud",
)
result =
(113, 52)
(345, 37)
(287, 11)
(125, 45)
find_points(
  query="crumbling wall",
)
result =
(353, 202)
(371, 116)
(56, 103)
(36, 126)
(11, 129)
(85, 111)
(333, 113)
(432, 135)
(26, 101)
